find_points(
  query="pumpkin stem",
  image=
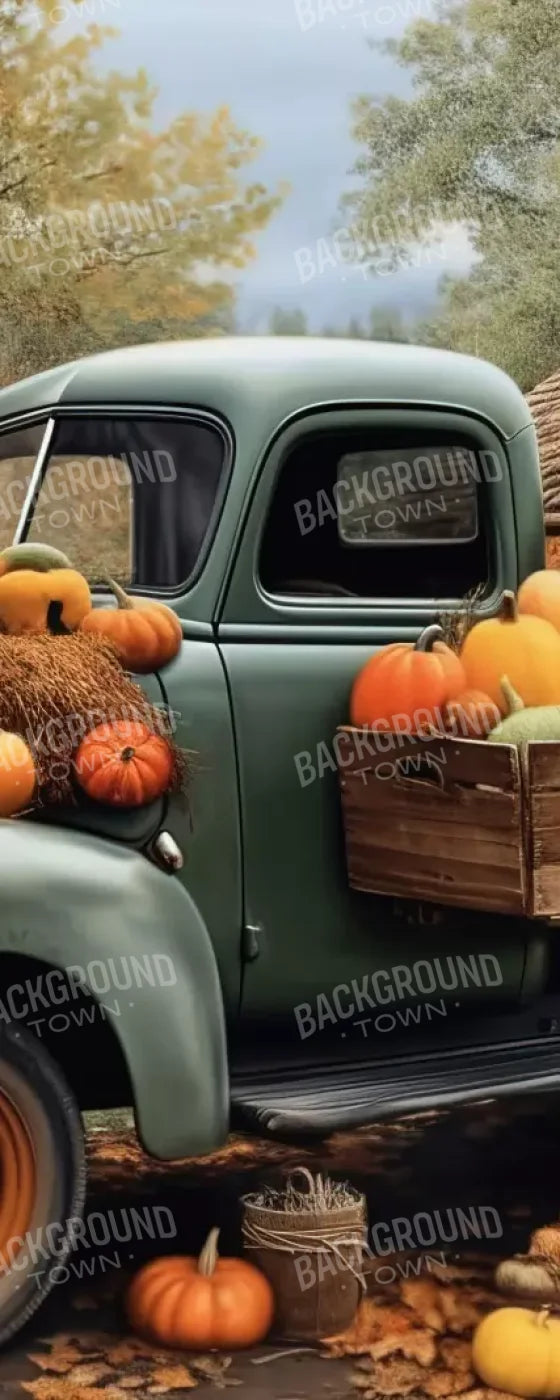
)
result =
(543, 1315)
(122, 598)
(432, 634)
(128, 753)
(508, 607)
(512, 699)
(208, 1256)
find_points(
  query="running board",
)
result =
(284, 1102)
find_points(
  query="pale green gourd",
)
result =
(525, 724)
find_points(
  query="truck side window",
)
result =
(18, 451)
(374, 519)
(131, 497)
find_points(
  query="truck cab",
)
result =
(299, 503)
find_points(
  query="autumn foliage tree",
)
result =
(109, 229)
(478, 141)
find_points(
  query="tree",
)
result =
(478, 142)
(284, 322)
(385, 323)
(105, 224)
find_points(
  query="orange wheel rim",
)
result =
(17, 1179)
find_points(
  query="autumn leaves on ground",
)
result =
(412, 1336)
(411, 1339)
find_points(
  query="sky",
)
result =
(288, 69)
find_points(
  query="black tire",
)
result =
(35, 1087)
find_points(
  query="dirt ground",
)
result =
(502, 1156)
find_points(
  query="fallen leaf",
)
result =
(61, 1360)
(424, 1297)
(395, 1377)
(89, 1373)
(168, 1378)
(417, 1345)
(461, 1315)
(215, 1368)
(456, 1353)
(482, 1393)
(439, 1384)
(372, 1321)
(49, 1388)
(125, 1350)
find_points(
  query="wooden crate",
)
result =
(453, 821)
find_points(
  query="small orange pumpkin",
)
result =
(524, 648)
(17, 774)
(146, 634)
(471, 715)
(540, 596)
(124, 764)
(407, 681)
(203, 1303)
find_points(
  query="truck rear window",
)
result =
(400, 520)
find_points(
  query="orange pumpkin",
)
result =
(407, 681)
(147, 635)
(124, 764)
(472, 715)
(524, 648)
(17, 774)
(540, 596)
(201, 1303)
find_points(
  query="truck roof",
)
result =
(273, 377)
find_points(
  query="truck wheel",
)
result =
(42, 1176)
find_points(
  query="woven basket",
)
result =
(313, 1261)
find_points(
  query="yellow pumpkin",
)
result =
(517, 1350)
(520, 646)
(540, 595)
(33, 577)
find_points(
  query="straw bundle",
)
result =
(55, 689)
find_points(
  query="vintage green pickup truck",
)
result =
(298, 502)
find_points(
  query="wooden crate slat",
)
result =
(466, 847)
(464, 761)
(484, 895)
(415, 805)
(545, 898)
(505, 875)
(543, 766)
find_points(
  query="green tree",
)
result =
(107, 225)
(478, 142)
(284, 322)
(385, 323)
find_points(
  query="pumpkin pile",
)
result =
(501, 684)
(72, 718)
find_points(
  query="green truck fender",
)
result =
(69, 898)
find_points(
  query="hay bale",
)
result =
(544, 402)
(55, 689)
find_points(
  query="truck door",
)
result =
(364, 524)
